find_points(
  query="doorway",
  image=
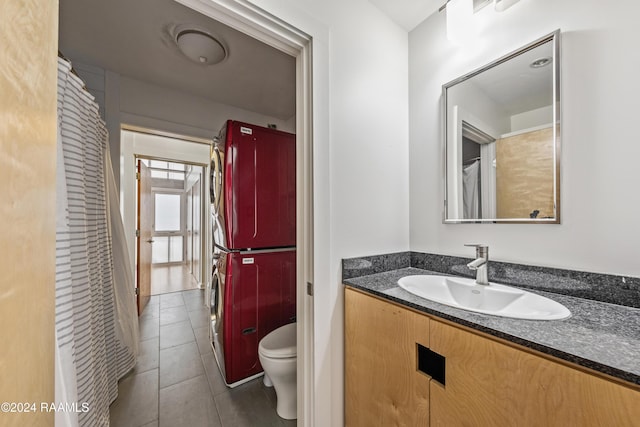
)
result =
(175, 232)
(278, 33)
(168, 217)
(127, 108)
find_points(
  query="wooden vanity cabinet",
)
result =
(382, 384)
(494, 384)
(488, 382)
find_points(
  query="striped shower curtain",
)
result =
(96, 324)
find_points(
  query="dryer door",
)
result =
(217, 196)
(216, 178)
(216, 302)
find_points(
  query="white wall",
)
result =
(600, 153)
(176, 109)
(125, 100)
(529, 119)
(475, 101)
(361, 154)
(369, 152)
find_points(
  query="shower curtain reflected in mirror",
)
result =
(471, 191)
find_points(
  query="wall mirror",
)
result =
(502, 139)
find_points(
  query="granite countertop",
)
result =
(601, 336)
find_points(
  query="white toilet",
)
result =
(277, 352)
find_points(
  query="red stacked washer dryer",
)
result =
(253, 206)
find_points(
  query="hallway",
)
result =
(176, 381)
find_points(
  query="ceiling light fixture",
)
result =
(200, 46)
(541, 62)
(462, 26)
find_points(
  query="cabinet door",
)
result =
(382, 384)
(493, 384)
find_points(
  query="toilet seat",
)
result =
(280, 343)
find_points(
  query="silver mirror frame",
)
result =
(554, 38)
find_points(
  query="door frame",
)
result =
(143, 187)
(255, 22)
(135, 149)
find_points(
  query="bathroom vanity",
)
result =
(410, 361)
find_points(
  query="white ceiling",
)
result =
(132, 38)
(408, 13)
(517, 87)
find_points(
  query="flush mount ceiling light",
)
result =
(541, 62)
(200, 46)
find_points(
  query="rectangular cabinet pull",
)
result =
(431, 363)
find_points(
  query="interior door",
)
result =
(145, 228)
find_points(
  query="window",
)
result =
(167, 212)
(167, 249)
(167, 170)
(168, 236)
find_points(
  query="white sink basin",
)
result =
(495, 299)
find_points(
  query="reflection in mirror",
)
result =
(502, 139)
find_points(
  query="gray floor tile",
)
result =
(188, 404)
(176, 334)
(177, 368)
(200, 317)
(151, 310)
(137, 402)
(149, 356)
(180, 363)
(171, 300)
(216, 383)
(202, 339)
(154, 301)
(194, 303)
(271, 394)
(201, 333)
(173, 315)
(248, 405)
(149, 327)
(192, 294)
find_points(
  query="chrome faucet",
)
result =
(480, 264)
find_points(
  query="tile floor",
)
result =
(176, 381)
